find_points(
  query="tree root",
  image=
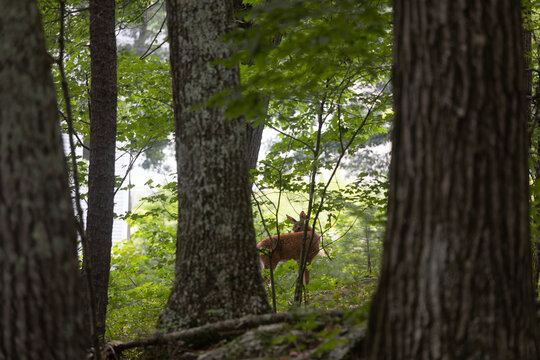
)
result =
(210, 334)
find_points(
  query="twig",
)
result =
(299, 289)
(292, 137)
(154, 49)
(130, 166)
(81, 143)
(148, 52)
(280, 172)
(345, 233)
(270, 254)
(299, 284)
(351, 140)
(139, 15)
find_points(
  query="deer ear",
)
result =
(303, 215)
(291, 219)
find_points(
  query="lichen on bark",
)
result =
(217, 275)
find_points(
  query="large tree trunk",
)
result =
(534, 123)
(456, 278)
(40, 317)
(217, 274)
(103, 94)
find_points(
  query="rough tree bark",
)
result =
(40, 315)
(253, 142)
(217, 274)
(456, 278)
(103, 99)
(253, 133)
(534, 123)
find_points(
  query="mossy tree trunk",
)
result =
(40, 316)
(103, 101)
(217, 275)
(534, 130)
(456, 278)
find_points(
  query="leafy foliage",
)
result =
(142, 270)
(317, 74)
(334, 58)
(144, 107)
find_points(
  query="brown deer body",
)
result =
(289, 246)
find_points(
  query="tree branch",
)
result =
(292, 137)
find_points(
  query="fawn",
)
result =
(289, 246)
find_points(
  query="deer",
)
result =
(289, 246)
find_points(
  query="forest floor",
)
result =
(333, 326)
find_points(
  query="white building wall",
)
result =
(121, 200)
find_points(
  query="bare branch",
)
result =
(149, 52)
(292, 137)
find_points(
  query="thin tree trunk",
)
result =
(217, 274)
(253, 132)
(367, 246)
(253, 141)
(103, 96)
(456, 278)
(40, 316)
